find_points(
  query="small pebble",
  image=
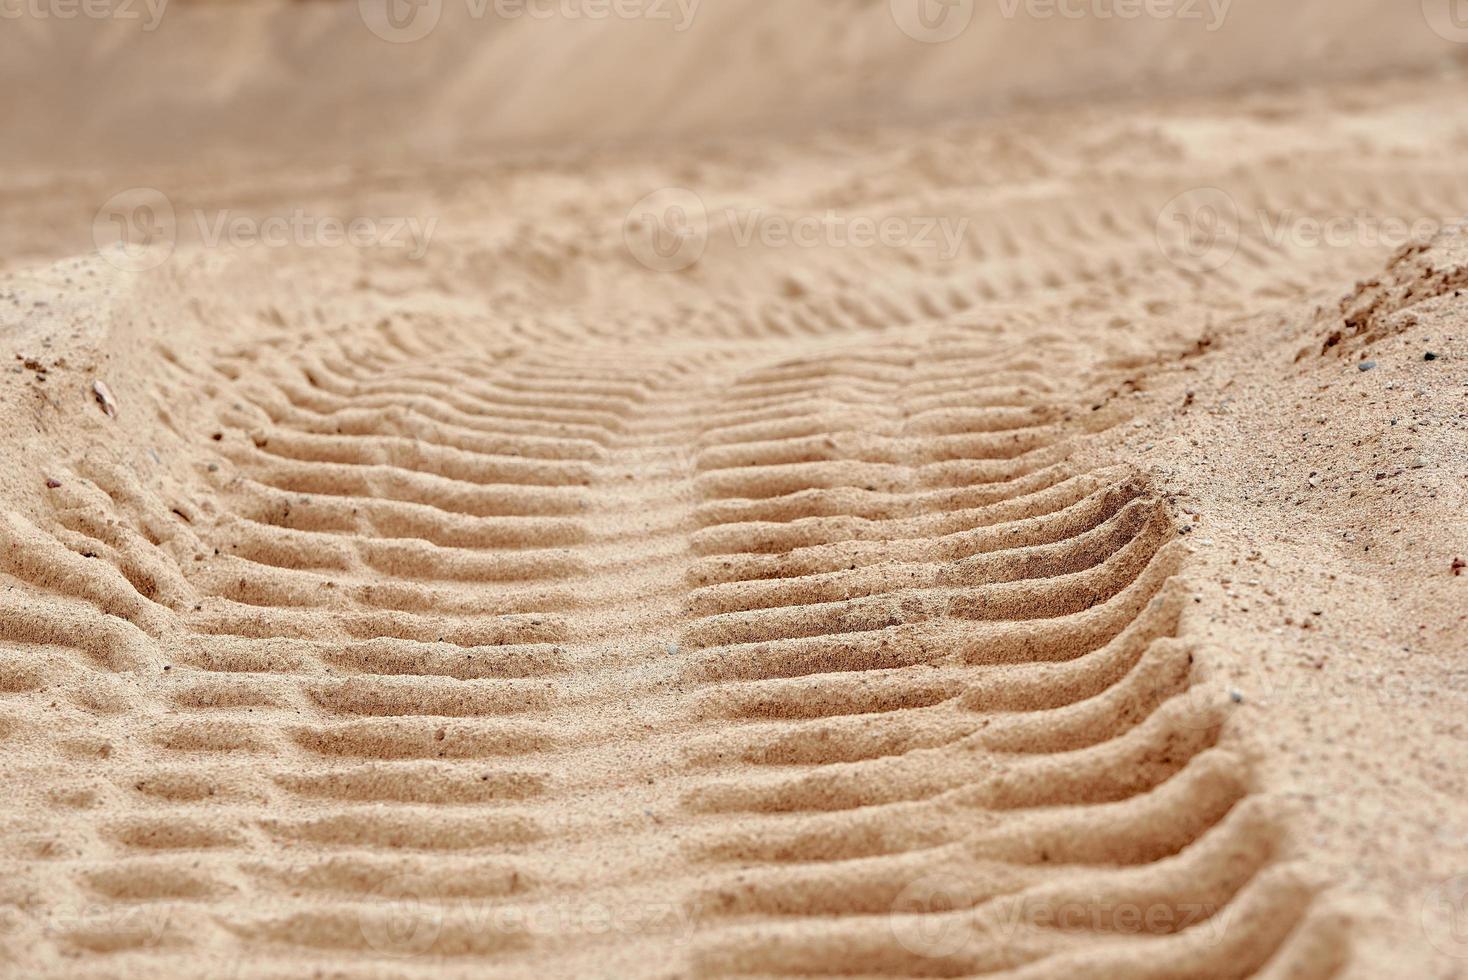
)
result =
(1237, 697)
(103, 394)
(1429, 356)
(53, 484)
(1366, 366)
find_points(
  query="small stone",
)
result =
(103, 394)
(52, 484)
(1237, 697)
(1366, 366)
(1429, 356)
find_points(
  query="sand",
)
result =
(941, 559)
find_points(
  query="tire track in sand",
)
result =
(803, 658)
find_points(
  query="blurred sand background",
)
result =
(215, 81)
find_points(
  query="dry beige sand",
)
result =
(641, 573)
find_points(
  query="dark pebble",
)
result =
(52, 484)
(1429, 356)
(1366, 366)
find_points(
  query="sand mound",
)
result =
(1427, 275)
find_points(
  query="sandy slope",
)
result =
(1065, 606)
